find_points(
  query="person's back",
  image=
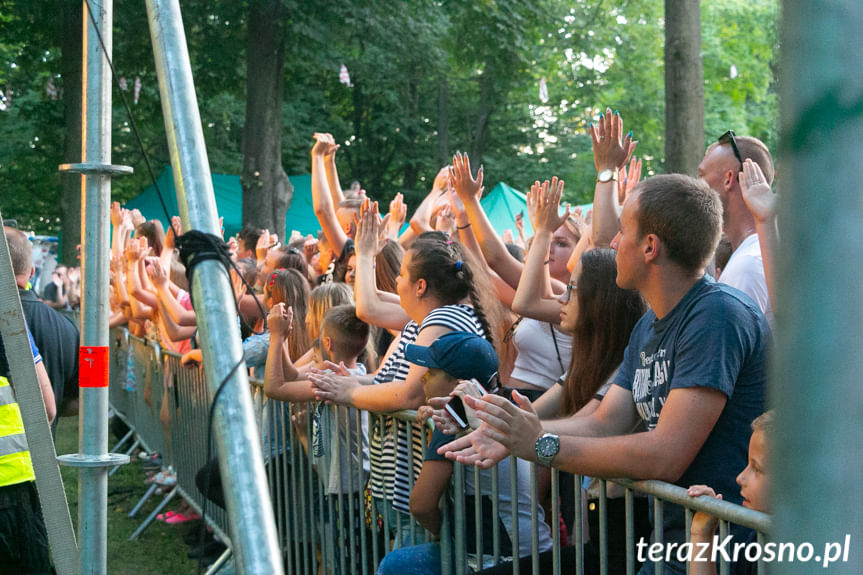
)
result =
(58, 336)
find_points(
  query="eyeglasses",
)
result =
(569, 288)
(728, 138)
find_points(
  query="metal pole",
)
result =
(253, 531)
(819, 311)
(96, 169)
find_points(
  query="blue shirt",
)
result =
(715, 337)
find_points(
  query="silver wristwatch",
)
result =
(547, 447)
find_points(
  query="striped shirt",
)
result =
(396, 447)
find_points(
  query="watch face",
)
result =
(605, 175)
(547, 446)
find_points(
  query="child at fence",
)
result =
(754, 484)
(339, 444)
(452, 357)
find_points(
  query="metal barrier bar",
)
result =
(513, 496)
(322, 505)
(579, 524)
(555, 512)
(630, 532)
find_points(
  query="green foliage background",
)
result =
(399, 52)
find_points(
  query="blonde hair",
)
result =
(764, 423)
(321, 300)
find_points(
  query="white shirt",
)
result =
(745, 271)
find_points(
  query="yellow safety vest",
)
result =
(15, 463)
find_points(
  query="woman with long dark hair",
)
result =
(600, 316)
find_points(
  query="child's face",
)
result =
(754, 481)
(436, 383)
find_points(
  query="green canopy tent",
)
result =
(229, 202)
(502, 204)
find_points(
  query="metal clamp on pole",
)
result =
(96, 169)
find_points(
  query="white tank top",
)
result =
(537, 361)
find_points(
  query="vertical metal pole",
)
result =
(253, 531)
(93, 415)
(96, 169)
(819, 312)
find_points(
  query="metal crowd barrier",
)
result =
(316, 462)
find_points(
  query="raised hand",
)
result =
(263, 246)
(545, 203)
(133, 251)
(169, 240)
(280, 320)
(137, 218)
(757, 195)
(445, 221)
(237, 284)
(233, 247)
(156, 272)
(398, 214)
(367, 237)
(466, 186)
(324, 145)
(628, 179)
(611, 150)
(116, 214)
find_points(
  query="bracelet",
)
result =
(464, 227)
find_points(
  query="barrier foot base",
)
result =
(120, 443)
(152, 515)
(219, 563)
(152, 489)
(128, 452)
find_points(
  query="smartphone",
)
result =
(456, 409)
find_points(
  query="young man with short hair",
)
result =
(720, 168)
(694, 370)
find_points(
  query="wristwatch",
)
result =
(547, 447)
(606, 176)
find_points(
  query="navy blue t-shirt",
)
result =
(715, 337)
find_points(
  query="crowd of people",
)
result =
(625, 342)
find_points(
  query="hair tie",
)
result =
(458, 266)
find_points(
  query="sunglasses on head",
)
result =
(728, 138)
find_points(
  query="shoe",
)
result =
(209, 549)
(164, 516)
(165, 478)
(180, 518)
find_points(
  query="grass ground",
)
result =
(160, 549)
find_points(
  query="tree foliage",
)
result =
(421, 71)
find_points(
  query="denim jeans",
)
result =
(423, 559)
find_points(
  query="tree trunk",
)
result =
(410, 172)
(479, 141)
(444, 154)
(266, 189)
(684, 88)
(71, 15)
